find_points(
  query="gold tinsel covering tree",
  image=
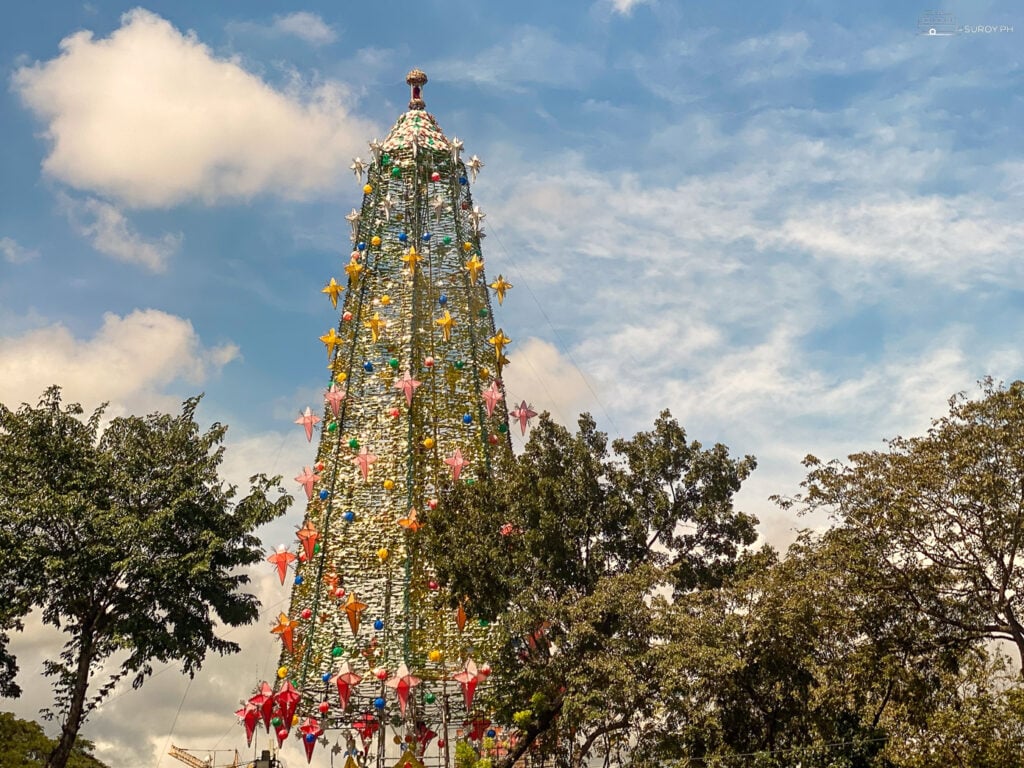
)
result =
(370, 647)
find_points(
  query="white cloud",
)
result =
(527, 55)
(108, 230)
(625, 7)
(15, 253)
(307, 26)
(129, 362)
(150, 117)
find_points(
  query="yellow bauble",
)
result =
(375, 241)
(467, 247)
(428, 443)
(295, 720)
(382, 553)
(340, 377)
(367, 189)
(282, 672)
(389, 485)
(434, 655)
(385, 299)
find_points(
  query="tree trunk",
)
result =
(69, 730)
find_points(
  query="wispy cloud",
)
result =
(110, 233)
(307, 26)
(15, 253)
(527, 55)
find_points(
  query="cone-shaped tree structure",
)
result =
(414, 399)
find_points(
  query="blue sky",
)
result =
(795, 225)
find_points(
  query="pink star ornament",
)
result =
(308, 420)
(523, 413)
(333, 398)
(365, 460)
(492, 396)
(408, 385)
(307, 480)
(457, 462)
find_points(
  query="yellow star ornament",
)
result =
(376, 324)
(412, 258)
(332, 289)
(446, 322)
(474, 266)
(498, 341)
(354, 270)
(330, 339)
(499, 287)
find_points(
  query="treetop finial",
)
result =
(416, 79)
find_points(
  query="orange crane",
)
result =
(265, 760)
(191, 760)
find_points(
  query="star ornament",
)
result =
(308, 420)
(308, 535)
(354, 609)
(403, 682)
(477, 217)
(376, 149)
(354, 269)
(474, 266)
(468, 679)
(333, 398)
(285, 629)
(364, 460)
(457, 462)
(387, 205)
(358, 166)
(446, 322)
(353, 218)
(411, 259)
(282, 559)
(411, 521)
(376, 324)
(332, 289)
(474, 165)
(331, 339)
(456, 145)
(408, 385)
(307, 480)
(499, 287)
(498, 341)
(492, 396)
(523, 413)
(346, 679)
(439, 205)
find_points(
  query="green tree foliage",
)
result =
(805, 660)
(125, 539)
(24, 745)
(942, 515)
(577, 550)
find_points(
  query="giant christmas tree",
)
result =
(372, 654)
